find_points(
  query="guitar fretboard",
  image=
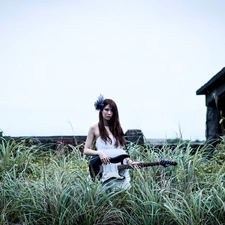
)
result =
(122, 167)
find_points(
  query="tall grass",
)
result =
(42, 186)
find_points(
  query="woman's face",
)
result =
(107, 113)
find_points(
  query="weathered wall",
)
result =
(135, 136)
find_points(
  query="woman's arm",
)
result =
(88, 143)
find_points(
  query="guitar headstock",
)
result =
(166, 163)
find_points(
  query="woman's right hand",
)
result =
(103, 157)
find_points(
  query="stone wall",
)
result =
(135, 136)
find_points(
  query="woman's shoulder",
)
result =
(94, 129)
(94, 126)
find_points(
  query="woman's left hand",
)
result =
(134, 164)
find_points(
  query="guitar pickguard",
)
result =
(110, 172)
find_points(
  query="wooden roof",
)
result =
(215, 81)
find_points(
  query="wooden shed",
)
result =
(214, 91)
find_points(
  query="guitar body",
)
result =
(111, 172)
(95, 164)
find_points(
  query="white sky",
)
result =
(150, 56)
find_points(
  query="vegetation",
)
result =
(42, 186)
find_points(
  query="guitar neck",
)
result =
(122, 167)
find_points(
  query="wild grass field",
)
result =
(41, 186)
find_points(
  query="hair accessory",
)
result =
(99, 104)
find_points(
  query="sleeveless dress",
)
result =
(111, 151)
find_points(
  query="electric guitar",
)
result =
(106, 172)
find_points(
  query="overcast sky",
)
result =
(150, 56)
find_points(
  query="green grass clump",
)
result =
(42, 186)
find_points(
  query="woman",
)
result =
(109, 140)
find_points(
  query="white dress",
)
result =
(111, 151)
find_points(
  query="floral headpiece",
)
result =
(99, 104)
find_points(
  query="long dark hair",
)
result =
(114, 125)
